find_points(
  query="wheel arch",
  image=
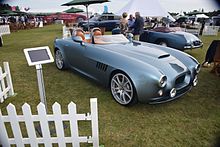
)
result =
(64, 56)
(159, 40)
(121, 71)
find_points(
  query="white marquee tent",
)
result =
(201, 16)
(149, 8)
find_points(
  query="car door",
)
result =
(94, 66)
(75, 54)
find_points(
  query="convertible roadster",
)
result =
(134, 71)
(171, 37)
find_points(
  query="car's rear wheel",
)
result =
(122, 89)
(59, 60)
(163, 43)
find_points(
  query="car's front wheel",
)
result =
(122, 89)
(59, 60)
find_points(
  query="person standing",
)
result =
(138, 24)
(202, 27)
(130, 22)
(124, 23)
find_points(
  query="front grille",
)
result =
(196, 43)
(180, 80)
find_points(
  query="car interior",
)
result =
(87, 36)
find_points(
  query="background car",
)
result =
(171, 37)
(109, 21)
(134, 71)
(66, 17)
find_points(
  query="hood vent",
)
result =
(164, 56)
(101, 66)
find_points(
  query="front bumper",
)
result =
(194, 45)
(167, 98)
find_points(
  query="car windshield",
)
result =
(94, 18)
(110, 39)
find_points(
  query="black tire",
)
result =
(122, 89)
(59, 60)
(162, 43)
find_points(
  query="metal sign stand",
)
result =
(41, 86)
(38, 56)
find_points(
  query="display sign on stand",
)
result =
(36, 57)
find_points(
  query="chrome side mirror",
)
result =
(79, 40)
(130, 37)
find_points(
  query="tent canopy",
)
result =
(73, 10)
(201, 16)
(150, 8)
(84, 2)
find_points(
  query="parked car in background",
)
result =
(109, 21)
(66, 17)
(216, 20)
(134, 71)
(171, 37)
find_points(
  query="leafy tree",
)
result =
(5, 7)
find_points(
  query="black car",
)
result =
(107, 20)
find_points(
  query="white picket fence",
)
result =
(44, 121)
(66, 32)
(6, 87)
(211, 30)
(4, 29)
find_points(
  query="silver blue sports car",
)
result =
(134, 71)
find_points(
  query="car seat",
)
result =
(79, 32)
(95, 32)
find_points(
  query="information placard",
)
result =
(38, 55)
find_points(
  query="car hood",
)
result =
(155, 57)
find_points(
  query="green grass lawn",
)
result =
(192, 120)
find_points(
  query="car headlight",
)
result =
(195, 81)
(163, 81)
(173, 92)
(197, 68)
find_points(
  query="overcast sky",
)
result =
(115, 5)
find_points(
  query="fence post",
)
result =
(73, 124)
(1, 90)
(29, 125)
(94, 122)
(2, 82)
(8, 78)
(13, 117)
(44, 125)
(58, 124)
(3, 135)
